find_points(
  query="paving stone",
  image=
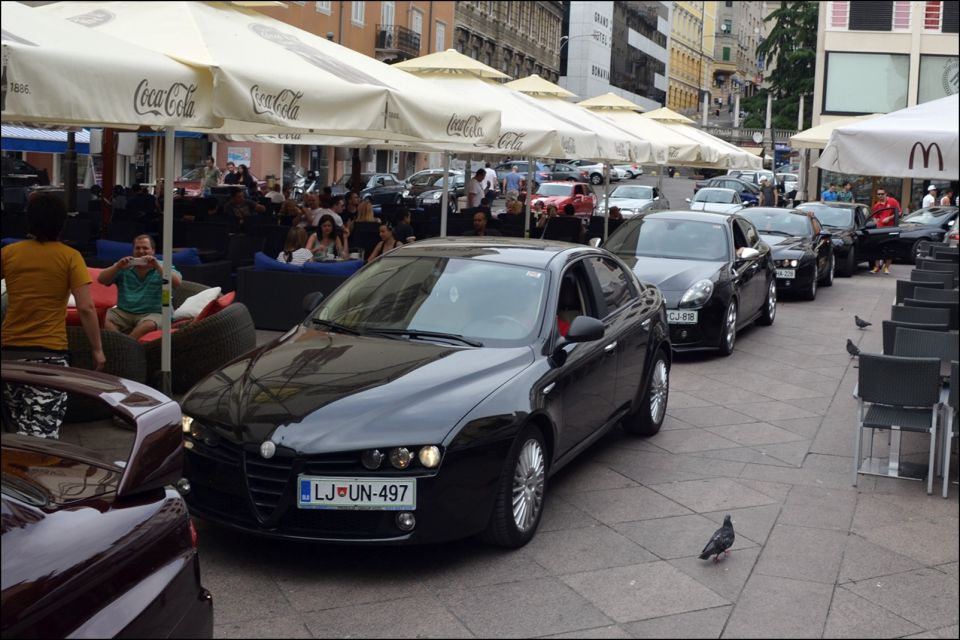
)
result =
(559, 514)
(709, 416)
(804, 475)
(863, 559)
(802, 553)
(466, 564)
(791, 453)
(727, 396)
(291, 626)
(588, 476)
(818, 405)
(711, 495)
(950, 569)
(420, 617)
(315, 587)
(806, 427)
(682, 400)
(819, 507)
(925, 597)
(741, 454)
(853, 617)
(772, 607)
(755, 433)
(523, 609)
(676, 537)
(707, 623)
(643, 591)
(689, 440)
(725, 577)
(752, 523)
(777, 490)
(912, 539)
(626, 505)
(773, 410)
(608, 631)
(576, 550)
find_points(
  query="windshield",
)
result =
(425, 179)
(637, 193)
(193, 174)
(932, 215)
(664, 238)
(496, 304)
(553, 190)
(714, 195)
(766, 220)
(344, 179)
(787, 177)
(830, 216)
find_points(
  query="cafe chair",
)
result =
(895, 394)
(932, 278)
(941, 252)
(920, 315)
(950, 424)
(917, 343)
(942, 295)
(906, 288)
(954, 324)
(889, 329)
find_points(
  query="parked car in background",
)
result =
(192, 182)
(845, 221)
(636, 199)
(431, 396)
(749, 192)
(564, 193)
(595, 170)
(20, 173)
(93, 547)
(541, 172)
(953, 235)
(426, 187)
(716, 200)
(630, 171)
(802, 249)
(902, 241)
(789, 182)
(560, 171)
(379, 188)
(714, 272)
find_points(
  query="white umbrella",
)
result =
(817, 137)
(916, 142)
(272, 77)
(728, 156)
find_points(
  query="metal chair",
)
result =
(906, 288)
(889, 328)
(929, 264)
(954, 324)
(943, 278)
(950, 423)
(917, 343)
(942, 295)
(940, 252)
(919, 315)
(896, 394)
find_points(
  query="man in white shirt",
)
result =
(475, 191)
(311, 211)
(931, 198)
(337, 205)
(490, 182)
(275, 196)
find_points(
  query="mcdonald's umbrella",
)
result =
(664, 114)
(916, 142)
(817, 137)
(56, 73)
(271, 77)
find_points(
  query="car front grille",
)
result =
(267, 480)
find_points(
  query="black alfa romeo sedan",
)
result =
(431, 396)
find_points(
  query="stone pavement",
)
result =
(765, 435)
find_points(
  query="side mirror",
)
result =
(687, 199)
(582, 329)
(870, 224)
(747, 253)
(311, 300)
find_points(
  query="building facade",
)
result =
(686, 66)
(517, 38)
(736, 67)
(878, 57)
(617, 47)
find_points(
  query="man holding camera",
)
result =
(139, 280)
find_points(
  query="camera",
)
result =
(138, 262)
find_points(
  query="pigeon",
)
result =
(721, 541)
(863, 324)
(852, 348)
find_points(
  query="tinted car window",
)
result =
(614, 283)
(750, 232)
(666, 238)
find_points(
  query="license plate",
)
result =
(787, 273)
(682, 317)
(388, 494)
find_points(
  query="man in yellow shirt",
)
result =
(41, 272)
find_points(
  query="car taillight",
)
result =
(194, 538)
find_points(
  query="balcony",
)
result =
(396, 43)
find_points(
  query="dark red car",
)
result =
(563, 193)
(92, 547)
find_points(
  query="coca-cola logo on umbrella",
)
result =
(464, 127)
(93, 18)
(177, 100)
(283, 104)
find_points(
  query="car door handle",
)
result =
(547, 389)
(610, 348)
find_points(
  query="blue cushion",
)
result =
(186, 257)
(113, 250)
(7, 241)
(341, 268)
(263, 262)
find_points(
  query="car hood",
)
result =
(320, 391)
(629, 203)
(781, 243)
(672, 277)
(551, 199)
(715, 207)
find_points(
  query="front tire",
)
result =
(648, 418)
(596, 178)
(850, 264)
(769, 306)
(828, 278)
(520, 492)
(811, 292)
(728, 330)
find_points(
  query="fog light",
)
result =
(183, 486)
(683, 334)
(406, 521)
(372, 459)
(186, 422)
(400, 457)
(187, 444)
(430, 457)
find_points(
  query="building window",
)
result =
(726, 54)
(441, 38)
(931, 16)
(865, 82)
(416, 22)
(950, 17)
(356, 15)
(867, 15)
(901, 16)
(324, 7)
(938, 77)
(387, 12)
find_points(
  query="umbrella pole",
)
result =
(529, 200)
(168, 174)
(606, 200)
(445, 198)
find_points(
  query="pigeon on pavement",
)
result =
(721, 541)
(852, 348)
(863, 324)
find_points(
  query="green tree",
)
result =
(792, 46)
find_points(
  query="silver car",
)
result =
(716, 200)
(637, 199)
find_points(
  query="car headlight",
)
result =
(400, 457)
(436, 195)
(789, 263)
(627, 212)
(430, 456)
(698, 294)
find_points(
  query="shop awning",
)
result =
(44, 140)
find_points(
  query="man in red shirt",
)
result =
(885, 210)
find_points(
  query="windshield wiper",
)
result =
(335, 326)
(416, 333)
(778, 233)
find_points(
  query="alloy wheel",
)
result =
(659, 386)
(772, 300)
(528, 484)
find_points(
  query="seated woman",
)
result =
(295, 248)
(552, 212)
(365, 212)
(387, 242)
(329, 242)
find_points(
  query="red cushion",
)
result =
(104, 297)
(155, 335)
(216, 305)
